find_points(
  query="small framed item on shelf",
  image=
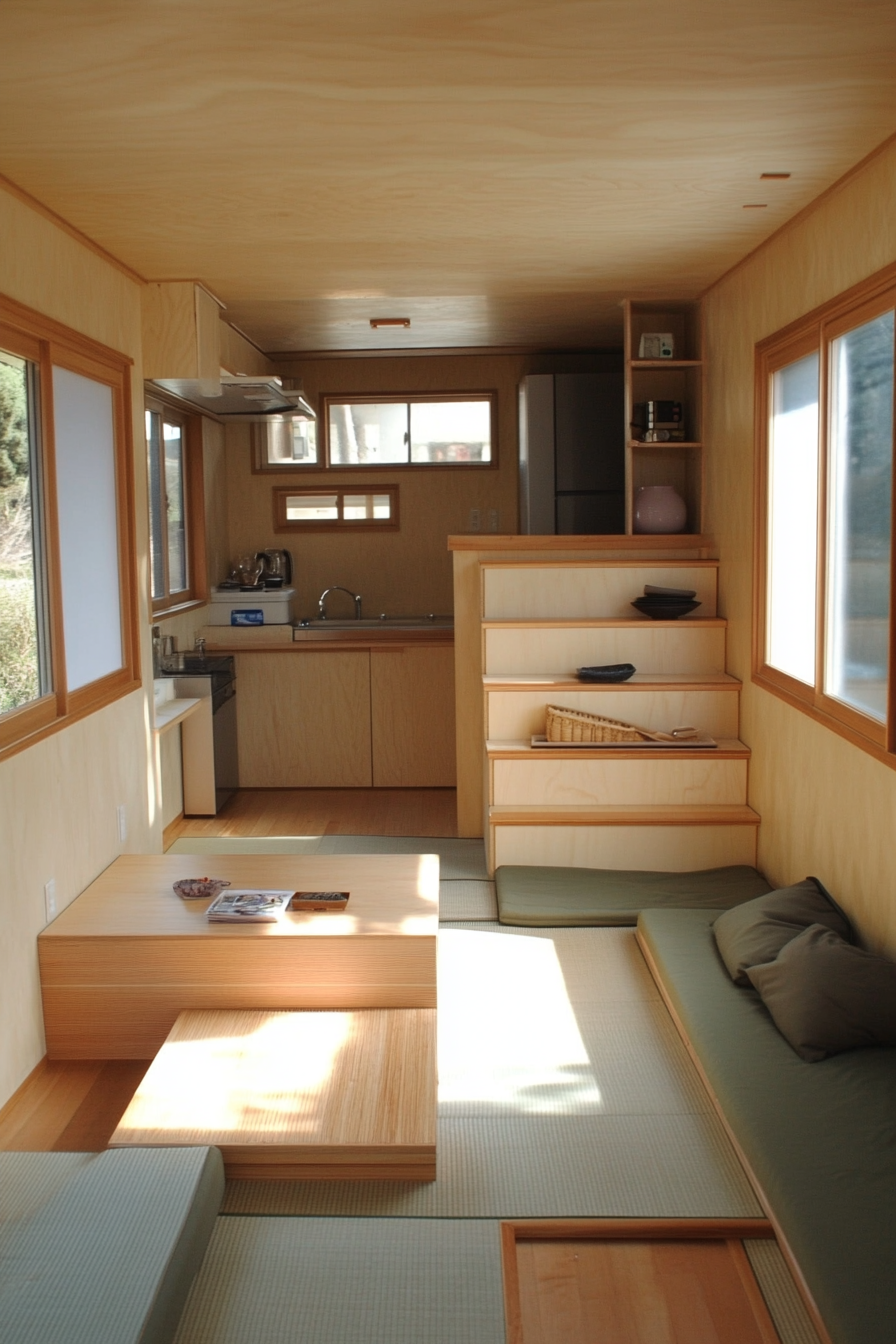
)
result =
(656, 345)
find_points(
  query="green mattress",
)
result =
(568, 897)
(820, 1138)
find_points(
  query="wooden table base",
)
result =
(296, 1096)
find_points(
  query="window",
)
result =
(68, 637)
(283, 442)
(322, 510)
(439, 431)
(176, 509)
(824, 619)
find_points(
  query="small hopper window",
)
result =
(336, 510)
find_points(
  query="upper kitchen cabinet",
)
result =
(181, 334)
(664, 403)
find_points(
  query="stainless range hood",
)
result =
(242, 397)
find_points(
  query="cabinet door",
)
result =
(412, 708)
(304, 720)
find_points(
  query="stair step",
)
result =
(521, 749)
(515, 706)
(737, 814)
(518, 647)
(576, 588)
(641, 681)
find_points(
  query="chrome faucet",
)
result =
(321, 609)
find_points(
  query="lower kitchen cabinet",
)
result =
(412, 717)
(304, 720)
(351, 719)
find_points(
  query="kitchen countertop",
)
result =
(323, 636)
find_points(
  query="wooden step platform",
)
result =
(296, 1096)
(666, 838)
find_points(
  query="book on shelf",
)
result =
(249, 905)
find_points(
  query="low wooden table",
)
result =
(128, 956)
(296, 1096)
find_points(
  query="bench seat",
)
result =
(819, 1139)
(101, 1248)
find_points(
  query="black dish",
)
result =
(608, 672)
(663, 610)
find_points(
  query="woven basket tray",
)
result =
(574, 725)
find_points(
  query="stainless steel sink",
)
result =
(306, 629)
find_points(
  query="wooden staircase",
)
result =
(651, 808)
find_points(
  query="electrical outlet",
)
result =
(493, 520)
(50, 899)
(474, 522)
(122, 822)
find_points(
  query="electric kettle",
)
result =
(277, 568)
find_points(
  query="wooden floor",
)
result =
(328, 812)
(74, 1106)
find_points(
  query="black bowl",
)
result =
(609, 672)
(664, 610)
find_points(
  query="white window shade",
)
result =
(88, 530)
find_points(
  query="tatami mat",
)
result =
(787, 1308)
(460, 859)
(467, 900)
(540, 1166)
(335, 1281)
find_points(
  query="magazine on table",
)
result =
(249, 905)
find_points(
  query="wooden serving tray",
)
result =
(319, 900)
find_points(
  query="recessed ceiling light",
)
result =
(390, 322)
(773, 177)
(756, 207)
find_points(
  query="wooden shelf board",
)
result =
(633, 562)
(604, 623)
(520, 749)
(478, 541)
(719, 814)
(636, 364)
(665, 443)
(641, 681)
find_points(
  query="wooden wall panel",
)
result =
(519, 714)
(561, 590)
(572, 782)
(650, 645)
(649, 848)
(826, 806)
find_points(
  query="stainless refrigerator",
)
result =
(572, 453)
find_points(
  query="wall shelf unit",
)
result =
(679, 464)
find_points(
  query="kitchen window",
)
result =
(443, 430)
(824, 613)
(68, 635)
(318, 509)
(176, 509)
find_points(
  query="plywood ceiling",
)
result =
(499, 171)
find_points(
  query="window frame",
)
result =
(48, 344)
(408, 399)
(281, 493)
(196, 594)
(815, 333)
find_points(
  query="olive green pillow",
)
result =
(754, 933)
(826, 996)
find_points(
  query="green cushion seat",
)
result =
(535, 897)
(820, 1138)
(103, 1250)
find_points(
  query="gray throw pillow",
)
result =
(754, 933)
(827, 996)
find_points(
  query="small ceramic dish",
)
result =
(200, 888)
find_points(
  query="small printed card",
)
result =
(249, 906)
